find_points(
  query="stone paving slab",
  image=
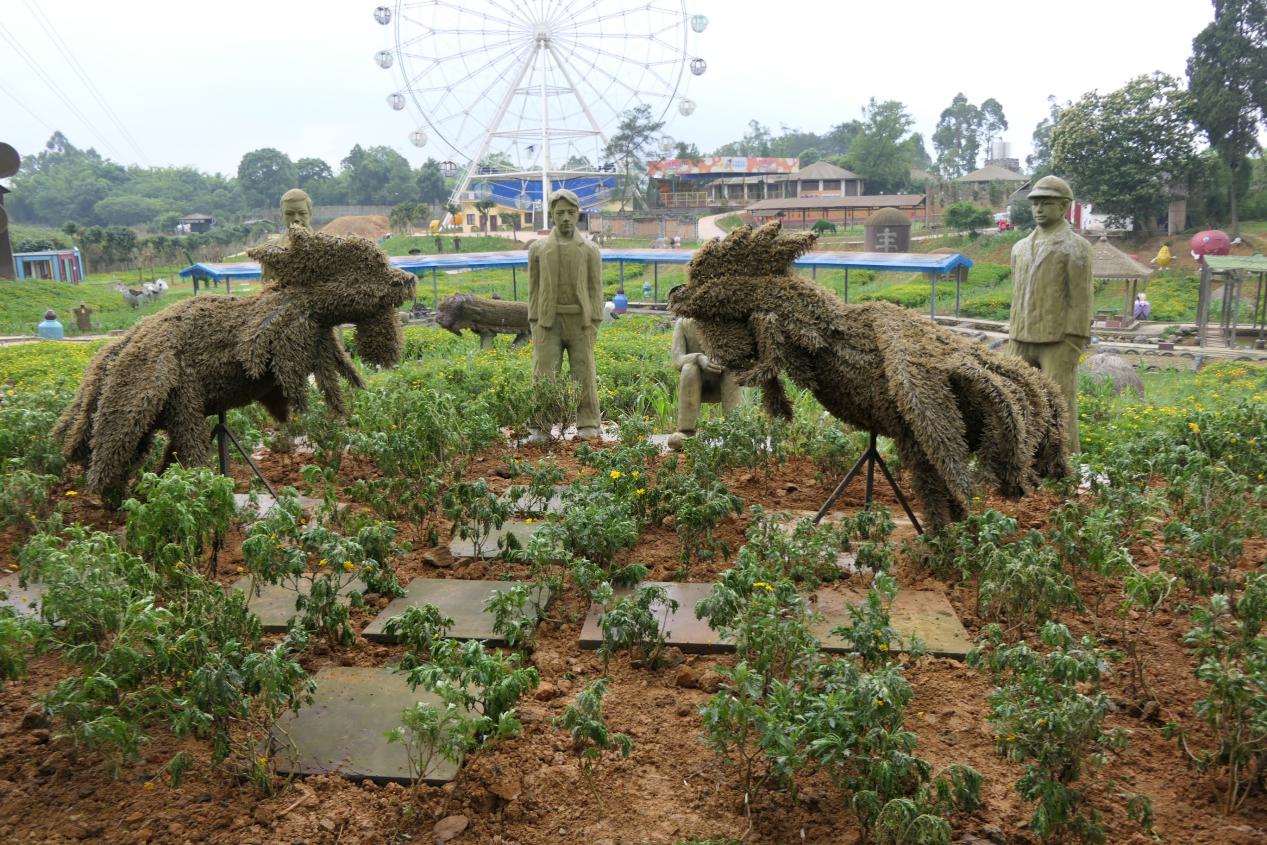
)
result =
(926, 614)
(343, 730)
(24, 600)
(522, 530)
(460, 600)
(275, 603)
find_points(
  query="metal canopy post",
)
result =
(846, 285)
(932, 298)
(655, 273)
(435, 289)
(514, 284)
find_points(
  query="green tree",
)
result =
(378, 176)
(264, 175)
(966, 217)
(127, 210)
(1227, 80)
(840, 137)
(1039, 161)
(1123, 150)
(432, 189)
(687, 152)
(957, 138)
(755, 142)
(993, 123)
(919, 153)
(628, 148)
(483, 207)
(809, 156)
(879, 153)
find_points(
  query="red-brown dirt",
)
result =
(530, 790)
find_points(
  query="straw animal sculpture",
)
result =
(485, 317)
(212, 353)
(943, 398)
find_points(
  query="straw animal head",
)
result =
(726, 278)
(338, 280)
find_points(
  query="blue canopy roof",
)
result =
(899, 262)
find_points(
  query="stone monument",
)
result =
(702, 380)
(1051, 295)
(565, 306)
(888, 230)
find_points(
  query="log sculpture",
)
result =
(208, 354)
(485, 317)
(944, 399)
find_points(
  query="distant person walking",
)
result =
(50, 329)
(439, 244)
(457, 243)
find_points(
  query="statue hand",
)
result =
(710, 366)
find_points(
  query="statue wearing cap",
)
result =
(1051, 295)
(565, 306)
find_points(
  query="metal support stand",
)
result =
(871, 459)
(221, 434)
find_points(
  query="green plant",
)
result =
(515, 613)
(590, 735)
(1231, 654)
(698, 506)
(428, 732)
(630, 622)
(1048, 713)
(477, 682)
(179, 514)
(966, 217)
(152, 647)
(18, 635)
(1143, 594)
(763, 614)
(475, 511)
(417, 629)
(1022, 583)
(869, 634)
(543, 478)
(24, 496)
(552, 402)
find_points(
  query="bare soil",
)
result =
(531, 791)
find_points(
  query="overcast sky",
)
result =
(201, 83)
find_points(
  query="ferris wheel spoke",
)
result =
(469, 9)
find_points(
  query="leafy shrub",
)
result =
(590, 735)
(1231, 654)
(486, 686)
(1048, 713)
(179, 514)
(630, 622)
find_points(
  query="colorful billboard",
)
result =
(722, 166)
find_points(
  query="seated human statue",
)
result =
(702, 380)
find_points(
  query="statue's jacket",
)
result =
(546, 260)
(1051, 287)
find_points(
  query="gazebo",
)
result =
(1232, 271)
(1109, 262)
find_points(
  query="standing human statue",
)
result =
(565, 306)
(1051, 295)
(702, 380)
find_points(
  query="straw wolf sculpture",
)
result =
(943, 398)
(486, 317)
(208, 354)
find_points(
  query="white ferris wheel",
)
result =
(525, 94)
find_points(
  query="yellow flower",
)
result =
(1233, 440)
(1193, 427)
(634, 474)
(879, 702)
(884, 646)
(640, 491)
(529, 519)
(615, 474)
(1011, 737)
(149, 784)
(71, 493)
(348, 565)
(240, 569)
(763, 585)
(263, 761)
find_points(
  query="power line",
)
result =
(53, 86)
(26, 109)
(53, 35)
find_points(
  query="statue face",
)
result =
(1049, 211)
(296, 211)
(565, 216)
